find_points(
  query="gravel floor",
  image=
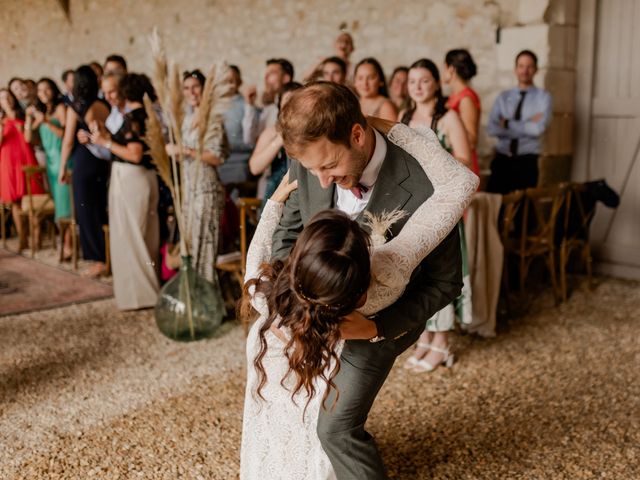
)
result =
(89, 392)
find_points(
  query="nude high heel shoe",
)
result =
(425, 366)
(413, 361)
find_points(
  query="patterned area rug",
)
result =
(27, 285)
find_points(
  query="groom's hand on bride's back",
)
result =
(356, 326)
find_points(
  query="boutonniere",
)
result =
(380, 225)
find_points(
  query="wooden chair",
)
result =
(107, 247)
(70, 225)
(576, 222)
(38, 207)
(235, 263)
(4, 208)
(509, 235)
(539, 218)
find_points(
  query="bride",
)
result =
(304, 306)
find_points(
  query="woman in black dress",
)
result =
(90, 165)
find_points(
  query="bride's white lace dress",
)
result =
(279, 439)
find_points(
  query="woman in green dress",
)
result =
(428, 107)
(48, 118)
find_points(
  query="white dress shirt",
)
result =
(346, 200)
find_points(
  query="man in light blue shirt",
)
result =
(518, 119)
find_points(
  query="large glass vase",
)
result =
(189, 307)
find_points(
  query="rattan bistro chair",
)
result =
(38, 207)
(575, 235)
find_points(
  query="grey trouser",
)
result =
(364, 367)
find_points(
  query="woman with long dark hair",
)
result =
(428, 108)
(133, 201)
(15, 153)
(48, 118)
(307, 305)
(459, 70)
(371, 87)
(90, 173)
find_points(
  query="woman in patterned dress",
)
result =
(202, 191)
(428, 109)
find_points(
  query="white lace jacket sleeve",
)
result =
(260, 249)
(453, 185)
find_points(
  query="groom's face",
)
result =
(336, 163)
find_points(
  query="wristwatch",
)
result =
(108, 145)
(377, 338)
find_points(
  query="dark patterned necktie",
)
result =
(513, 147)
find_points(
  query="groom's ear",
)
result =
(357, 135)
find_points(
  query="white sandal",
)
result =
(412, 361)
(424, 366)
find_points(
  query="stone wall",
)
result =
(38, 39)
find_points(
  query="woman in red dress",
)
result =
(459, 70)
(15, 153)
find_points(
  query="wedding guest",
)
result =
(398, 87)
(48, 118)
(344, 47)
(519, 118)
(115, 64)
(15, 153)
(203, 197)
(67, 81)
(334, 69)
(279, 71)
(32, 92)
(240, 125)
(459, 70)
(371, 87)
(20, 91)
(428, 108)
(90, 173)
(269, 154)
(97, 69)
(133, 201)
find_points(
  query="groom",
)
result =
(343, 162)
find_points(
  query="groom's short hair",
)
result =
(319, 109)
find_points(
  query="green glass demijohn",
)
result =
(189, 307)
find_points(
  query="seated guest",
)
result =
(241, 125)
(269, 156)
(398, 87)
(334, 69)
(459, 69)
(371, 87)
(279, 71)
(133, 201)
(115, 64)
(518, 119)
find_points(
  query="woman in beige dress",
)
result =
(134, 228)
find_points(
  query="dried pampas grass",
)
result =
(155, 140)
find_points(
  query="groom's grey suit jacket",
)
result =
(401, 184)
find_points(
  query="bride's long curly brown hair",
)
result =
(323, 279)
